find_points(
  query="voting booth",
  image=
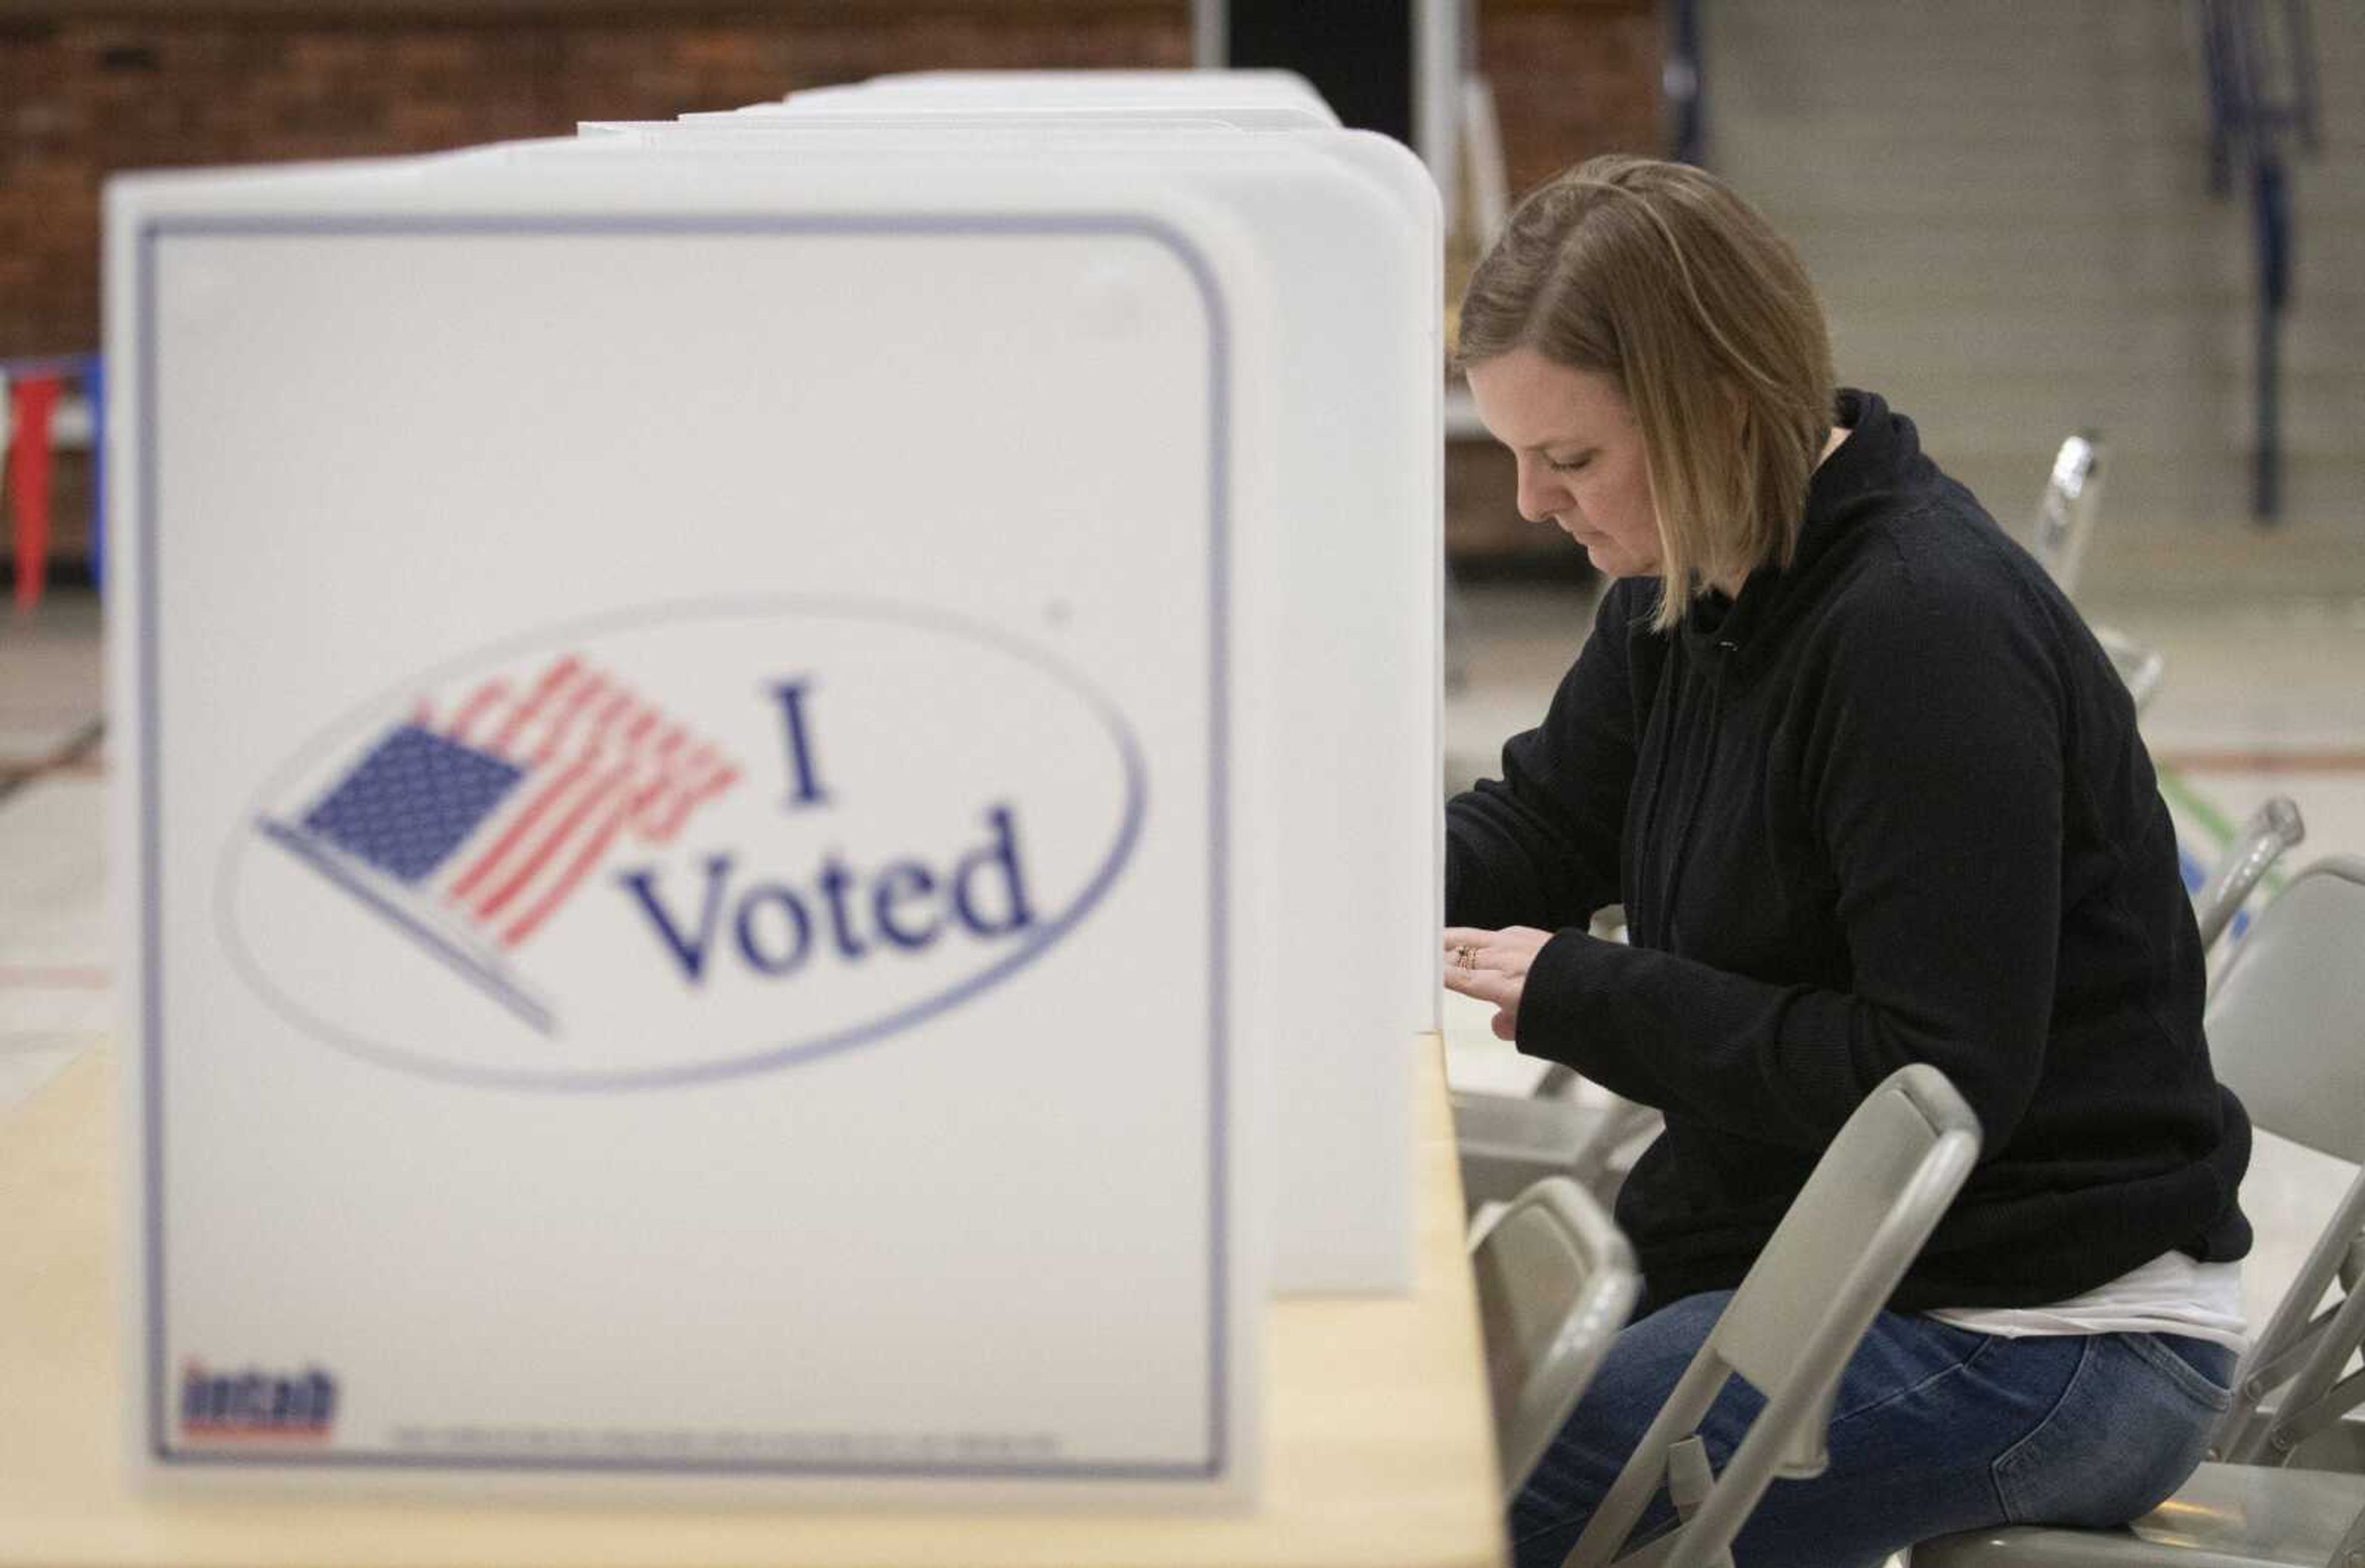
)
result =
(1347, 222)
(778, 827)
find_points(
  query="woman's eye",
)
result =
(1568, 466)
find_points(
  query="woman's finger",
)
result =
(1511, 963)
(1466, 954)
(1509, 951)
(1487, 985)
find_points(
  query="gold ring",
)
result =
(1465, 956)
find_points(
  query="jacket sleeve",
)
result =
(1541, 845)
(1934, 776)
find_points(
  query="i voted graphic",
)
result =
(775, 926)
(682, 844)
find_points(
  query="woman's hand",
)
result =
(1493, 967)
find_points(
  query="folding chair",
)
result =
(2273, 828)
(2064, 524)
(2282, 1034)
(2058, 537)
(1556, 1284)
(2227, 1515)
(1790, 1328)
(1509, 1142)
(2139, 667)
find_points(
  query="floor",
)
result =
(54, 944)
(2258, 699)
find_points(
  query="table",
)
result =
(1379, 1444)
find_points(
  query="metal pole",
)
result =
(2299, 35)
(1437, 68)
(2271, 199)
(2217, 75)
(1211, 43)
(1681, 82)
(2265, 489)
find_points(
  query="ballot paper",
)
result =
(1346, 223)
(687, 860)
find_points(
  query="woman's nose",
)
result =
(1537, 497)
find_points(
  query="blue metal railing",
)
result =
(2258, 65)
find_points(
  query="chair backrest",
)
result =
(1849, 1237)
(2139, 666)
(2064, 524)
(2273, 828)
(2290, 1387)
(2286, 1027)
(1555, 1282)
(2284, 1020)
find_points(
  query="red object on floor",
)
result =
(35, 399)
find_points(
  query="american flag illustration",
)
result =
(469, 830)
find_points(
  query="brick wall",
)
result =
(88, 88)
(1571, 78)
(82, 96)
(85, 91)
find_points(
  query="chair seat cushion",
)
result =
(2226, 1516)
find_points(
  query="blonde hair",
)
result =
(1659, 276)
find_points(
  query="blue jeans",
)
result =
(1935, 1429)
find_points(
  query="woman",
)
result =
(1870, 794)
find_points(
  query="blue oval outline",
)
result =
(817, 607)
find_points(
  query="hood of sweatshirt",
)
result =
(1881, 460)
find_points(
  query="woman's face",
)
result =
(1580, 455)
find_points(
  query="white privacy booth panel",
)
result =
(1119, 125)
(1346, 223)
(680, 866)
(1052, 89)
(1249, 114)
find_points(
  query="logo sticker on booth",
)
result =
(683, 846)
(257, 1406)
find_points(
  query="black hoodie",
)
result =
(1887, 805)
